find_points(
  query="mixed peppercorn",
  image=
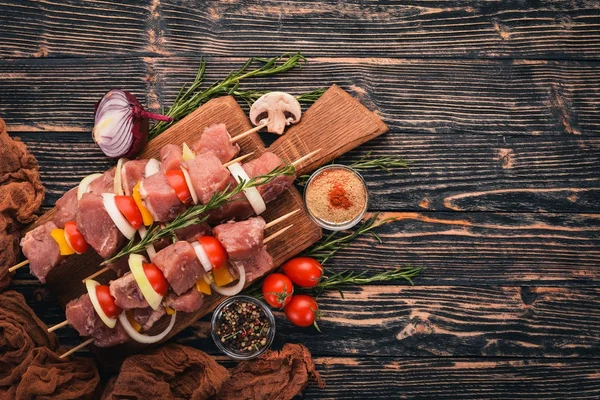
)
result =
(243, 327)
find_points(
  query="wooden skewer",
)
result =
(248, 132)
(306, 157)
(95, 274)
(76, 348)
(240, 158)
(279, 232)
(57, 326)
(19, 265)
(282, 218)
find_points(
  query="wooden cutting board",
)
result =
(335, 124)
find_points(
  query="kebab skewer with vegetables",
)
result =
(177, 280)
(209, 176)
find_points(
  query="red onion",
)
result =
(121, 124)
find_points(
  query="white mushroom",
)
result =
(278, 109)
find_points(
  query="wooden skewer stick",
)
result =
(19, 265)
(306, 157)
(57, 326)
(279, 232)
(240, 158)
(77, 348)
(248, 132)
(95, 274)
(282, 218)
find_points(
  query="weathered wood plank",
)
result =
(417, 28)
(448, 172)
(439, 321)
(445, 321)
(455, 378)
(414, 96)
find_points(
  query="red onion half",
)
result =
(121, 124)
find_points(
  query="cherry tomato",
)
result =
(303, 271)
(156, 278)
(75, 238)
(302, 310)
(107, 302)
(130, 210)
(214, 250)
(177, 181)
(277, 290)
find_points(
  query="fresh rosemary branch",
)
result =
(250, 96)
(347, 278)
(332, 243)
(369, 162)
(194, 214)
(190, 98)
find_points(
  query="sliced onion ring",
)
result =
(202, 256)
(252, 194)
(118, 178)
(152, 167)
(136, 265)
(187, 153)
(85, 184)
(90, 285)
(150, 249)
(110, 205)
(188, 181)
(140, 337)
(232, 290)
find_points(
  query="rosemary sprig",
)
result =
(194, 215)
(332, 243)
(369, 162)
(348, 278)
(250, 96)
(190, 98)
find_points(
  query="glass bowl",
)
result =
(218, 315)
(332, 226)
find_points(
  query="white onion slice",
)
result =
(118, 178)
(110, 205)
(150, 249)
(202, 256)
(187, 153)
(69, 241)
(136, 265)
(188, 181)
(252, 194)
(90, 285)
(152, 167)
(85, 184)
(232, 290)
(140, 337)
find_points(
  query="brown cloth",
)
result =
(274, 375)
(21, 193)
(170, 372)
(21, 331)
(51, 377)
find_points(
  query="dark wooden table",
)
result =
(496, 103)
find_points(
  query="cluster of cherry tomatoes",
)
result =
(278, 290)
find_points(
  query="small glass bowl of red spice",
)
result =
(336, 197)
(243, 327)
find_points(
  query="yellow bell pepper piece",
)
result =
(203, 287)
(134, 324)
(187, 153)
(222, 276)
(63, 247)
(169, 311)
(137, 197)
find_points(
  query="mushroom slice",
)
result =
(278, 109)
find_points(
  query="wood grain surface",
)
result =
(496, 105)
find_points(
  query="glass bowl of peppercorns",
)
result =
(243, 327)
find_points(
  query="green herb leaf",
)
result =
(190, 98)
